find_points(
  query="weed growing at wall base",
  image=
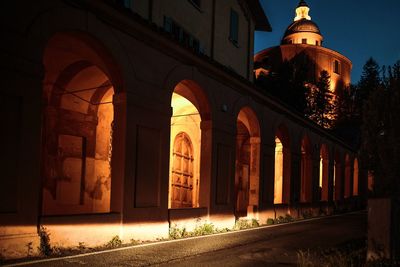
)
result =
(115, 242)
(45, 248)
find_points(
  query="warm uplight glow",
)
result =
(302, 13)
(278, 180)
(320, 173)
(185, 153)
(355, 178)
(78, 144)
(323, 173)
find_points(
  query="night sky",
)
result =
(357, 29)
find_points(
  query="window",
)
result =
(316, 43)
(304, 41)
(336, 67)
(179, 34)
(234, 27)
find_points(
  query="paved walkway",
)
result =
(265, 246)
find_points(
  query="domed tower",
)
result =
(303, 38)
(303, 30)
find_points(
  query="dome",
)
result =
(303, 25)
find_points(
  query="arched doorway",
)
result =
(306, 171)
(187, 146)
(323, 173)
(184, 191)
(78, 127)
(282, 166)
(247, 168)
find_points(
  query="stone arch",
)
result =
(198, 94)
(247, 167)
(282, 166)
(81, 160)
(190, 117)
(96, 32)
(306, 170)
(324, 173)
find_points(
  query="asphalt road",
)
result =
(264, 246)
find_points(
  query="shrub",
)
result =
(289, 218)
(254, 223)
(241, 224)
(204, 229)
(115, 242)
(44, 247)
(175, 232)
(270, 221)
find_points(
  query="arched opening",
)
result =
(282, 166)
(278, 176)
(78, 126)
(306, 171)
(336, 177)
(247, 169)
(347, 177)
(323, 173)
(355, 178)
(186, 146)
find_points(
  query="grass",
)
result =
(350, 254)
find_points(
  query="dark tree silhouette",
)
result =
(288, 81)
(381, 134)
(369, 81)
(321, 102)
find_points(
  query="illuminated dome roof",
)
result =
(303, 25)
(302, 30)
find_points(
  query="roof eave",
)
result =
(261, 20)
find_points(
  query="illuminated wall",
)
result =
(298, 38)
(321, 59)
(209, 23)
(283, 136)
(324, 173)
(278, 176)
(77, 137)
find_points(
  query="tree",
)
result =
(287, 81)
(321, 102)
(381, 134)
(369, 81)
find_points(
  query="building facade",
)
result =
(125, 119)
(301, 39)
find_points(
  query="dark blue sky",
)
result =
(357, 29)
